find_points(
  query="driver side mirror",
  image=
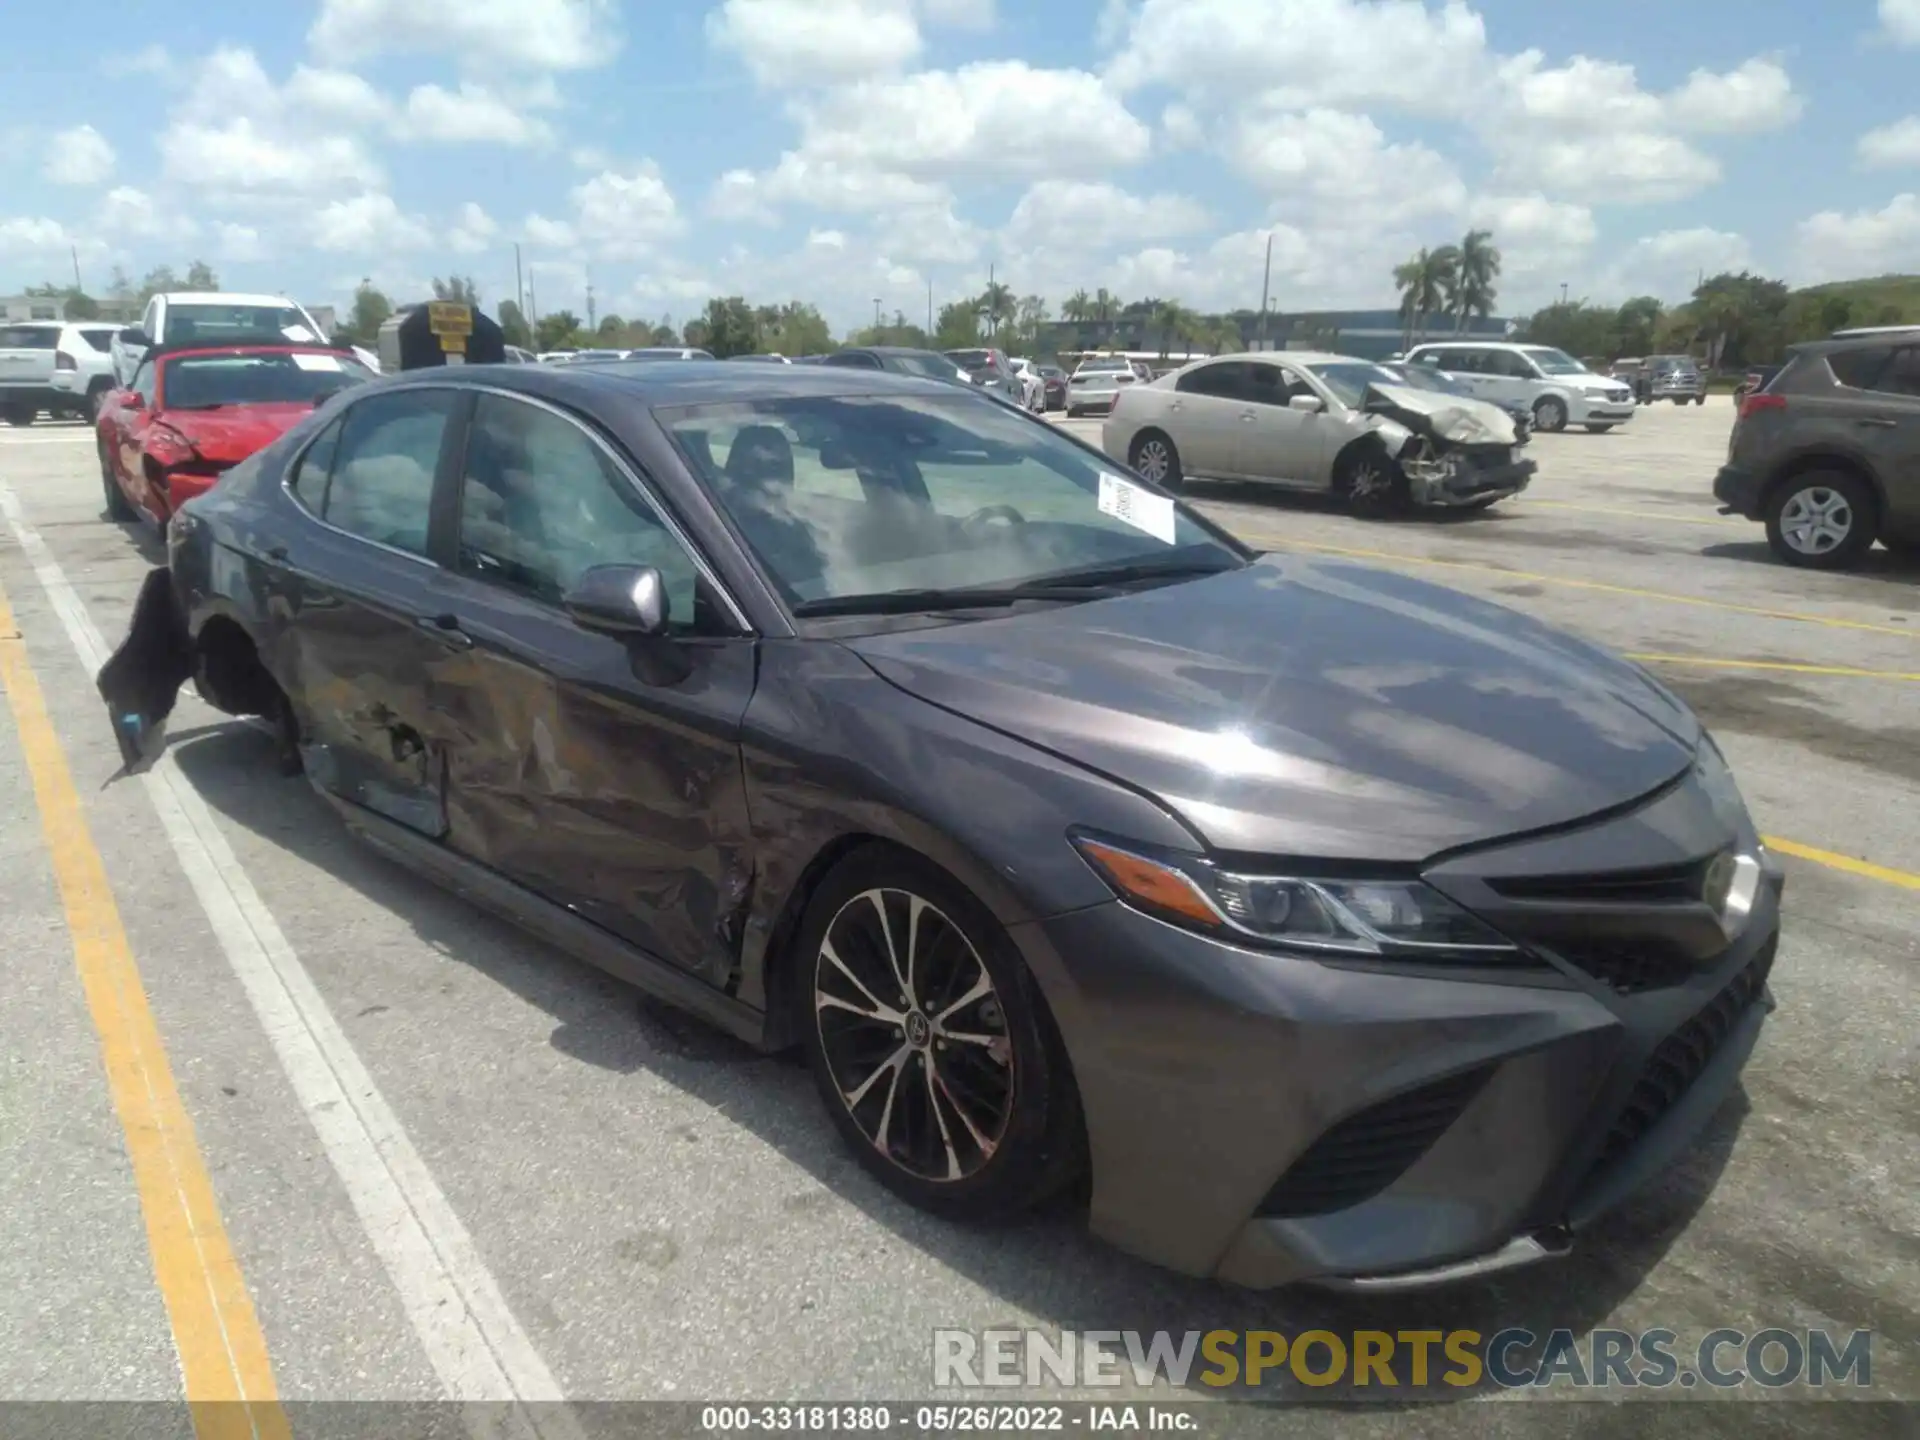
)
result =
(132, 400)
(134, 335)
(629, 601)
(1307, 404)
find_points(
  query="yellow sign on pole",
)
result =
(449, 319)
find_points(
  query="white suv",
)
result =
(1557, 388)
(218, 319)
(83, 367)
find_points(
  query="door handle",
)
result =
(446, 629)
(1877, 423)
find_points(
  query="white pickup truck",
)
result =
(217, 318)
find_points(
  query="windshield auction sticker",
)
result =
(1137, 506)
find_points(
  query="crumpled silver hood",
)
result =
(1453, 418)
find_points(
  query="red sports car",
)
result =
(194, 412)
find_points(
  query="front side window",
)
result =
(1550, 361)
(145, 384)
(381, 485)
(541, 504)
(841, 496)
(1271, 385)
(1349, 379)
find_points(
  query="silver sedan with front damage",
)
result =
(1318, 423)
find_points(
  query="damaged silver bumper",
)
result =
(1453, 478)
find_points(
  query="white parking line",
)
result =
(476, 1347)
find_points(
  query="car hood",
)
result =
(230, 435)
(1298, 708)
(1453, 418)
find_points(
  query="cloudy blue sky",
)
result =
(843, 150)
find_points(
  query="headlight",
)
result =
(1319, 914)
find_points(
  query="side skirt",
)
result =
(559, 927)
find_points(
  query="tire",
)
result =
(1550, 414)
(1022, 1101)
(1073, 412)
(118, 506)
(1699, 399)
(1372, 485)
(1822, 519)
(1598, 429)
(1156, 459)
(22, 415)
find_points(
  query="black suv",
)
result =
(1828, 452)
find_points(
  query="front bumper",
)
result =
(1217, 1081)
(1739, 491)
(1601, 412)
(1469, 483)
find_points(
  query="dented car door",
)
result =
(601, 771)
(363, 640)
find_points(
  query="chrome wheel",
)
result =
(1816, 520)
(1154, 461)
(1369, 482)
(914, 1035)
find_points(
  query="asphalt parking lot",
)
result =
(445, 1161)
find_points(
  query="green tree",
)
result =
(1173, 321)
(369, 312)
(1476, 273)
(513, 326)
(1574, 326)
(158, 281)
(996, 302)
(958, 327)
(1635, 327)
(557, 331)
(1077, 307)
(459, 289)
(1427, 285)
(729, 327)
(119, 287)
(610, 327)
(1836, 313)
(200, 276)
(76, 304)
(1740, 318)
(793, 329)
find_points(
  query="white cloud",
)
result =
(794, 43)
(1668, 265)
(828, 239)
(1833, 246)
(626, 215)
(1322, 162)
(239, 136)
(80, 156)
(1542, 243)
(1078, 216)
(338, 96)
(960, 14)
(33, 235)
(1891, 146)
(129, 214)
(1308, 53)
(1753, 97)
(548, 234)
(1900, 20)
(368, 223)
(151, 60)
(238, 244)
(1180, 128)
(473, 232)
(470, 114)
(487, 34)
(739, 195)
(998, 120)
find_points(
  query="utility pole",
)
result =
(929, 312)
(590, 324)
(1266, 287)
(1563, 294)
(74, 250)
(519, 283)
(876, 315)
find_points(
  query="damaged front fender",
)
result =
(142, 678)
(1453, 450)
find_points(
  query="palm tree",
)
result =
(1171, 318)
(1426, 284)
(996, 302)
(1474, 275)
(1077, 307)
(1105, 306)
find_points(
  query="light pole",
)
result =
(1266, 285)
(1563, 294)
(876, 315)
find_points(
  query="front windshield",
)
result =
(202, 382)
(864, 494)
(1554, 362)
(934, 367)
(1349, 379)
(1419, 377)
(188, 321)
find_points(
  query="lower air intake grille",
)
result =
(1680, 1058)
(1630, 969)
(1367, 1152)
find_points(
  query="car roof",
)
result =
(692, 382)
(158, 354)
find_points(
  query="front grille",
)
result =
(1365, 1153)
(1629, 969)
(1655, 885)
(1680, 1058)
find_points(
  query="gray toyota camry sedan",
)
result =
(1334, 926)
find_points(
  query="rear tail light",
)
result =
(64, 361)
(1754, 404)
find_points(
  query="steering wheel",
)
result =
(975, 523)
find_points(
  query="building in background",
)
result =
(1365, 334)
(54, 307)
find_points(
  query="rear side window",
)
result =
(381, 485)
(308, 482)
(1859, 369)
(1902, 375)
(29, 337)
(1225, 381)
(101, 340)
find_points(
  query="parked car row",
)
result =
(62, 369)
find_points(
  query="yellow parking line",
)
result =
(1567, 581)
(223, 1353)
(1865, 868)
(1792, 667)
(1527, 503)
